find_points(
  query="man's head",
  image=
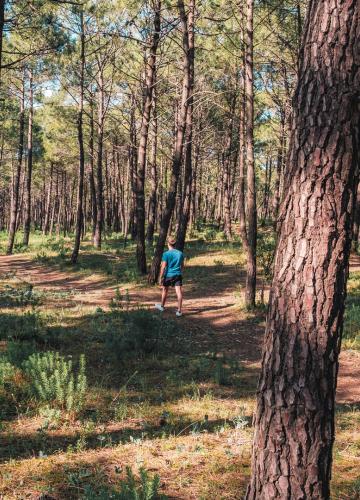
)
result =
(171, 242)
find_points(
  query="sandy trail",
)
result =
(212, 315)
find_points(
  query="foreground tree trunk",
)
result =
(294, 435)
(27, 219)
(143, 141)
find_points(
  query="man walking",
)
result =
(172, 266)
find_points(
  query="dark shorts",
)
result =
(173, 281)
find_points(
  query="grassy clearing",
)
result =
(163, 397)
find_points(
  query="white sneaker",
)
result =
(159, 307)
(178, 314)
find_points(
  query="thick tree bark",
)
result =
(27, 221)
(294, 435)
(143, 141)
(80, 134)
(185, 207)
(16, 180)
(178, 150)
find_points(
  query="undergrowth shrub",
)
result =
(7, 371)
(134, 333)
(351, 332)
(131, 488)
(25, 326)
(53, 379)
(19, 296)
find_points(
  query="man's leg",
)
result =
(179, 294)
(164, 293)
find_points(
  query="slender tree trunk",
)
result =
(178, 149)
(99, 174)
(153, 177)
(48, 202)
(356, 225)
(91, 172)
(248, 231)
(226, 171)
(294, 436)
(143, 141)
(188, 175)
(27, 221)
(80, 191)
(279, 168)
(16, 182)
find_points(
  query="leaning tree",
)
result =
(294, 433)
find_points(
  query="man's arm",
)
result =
(162, 271)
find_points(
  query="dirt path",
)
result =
(213, 318)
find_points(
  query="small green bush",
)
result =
(131, 488)
(351, 333)
(7, 371)
(53, 379)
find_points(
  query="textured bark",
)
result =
(80, 133)
(178, 149)
(294, 435)
(16, 182)
(143, 141)
(27, 220)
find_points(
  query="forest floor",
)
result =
(181, 407)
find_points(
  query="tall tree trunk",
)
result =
(178, 150)
(356, 225)
(226, 171)
(246, 150)
(153, 177)
(91, 172)
(17, 175)
(143, 141)
(47, 205)
(185, 208)
(292, 452)
(80, 134)
(99, 174)
(27, 221)
(279, 168)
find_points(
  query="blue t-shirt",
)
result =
(174, 259)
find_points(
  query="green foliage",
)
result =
(53, 379)
(135, 333)
(27, 326)
(7, 371)
(265, 253)
(351, 332)
(21, 296)
(131, 488)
